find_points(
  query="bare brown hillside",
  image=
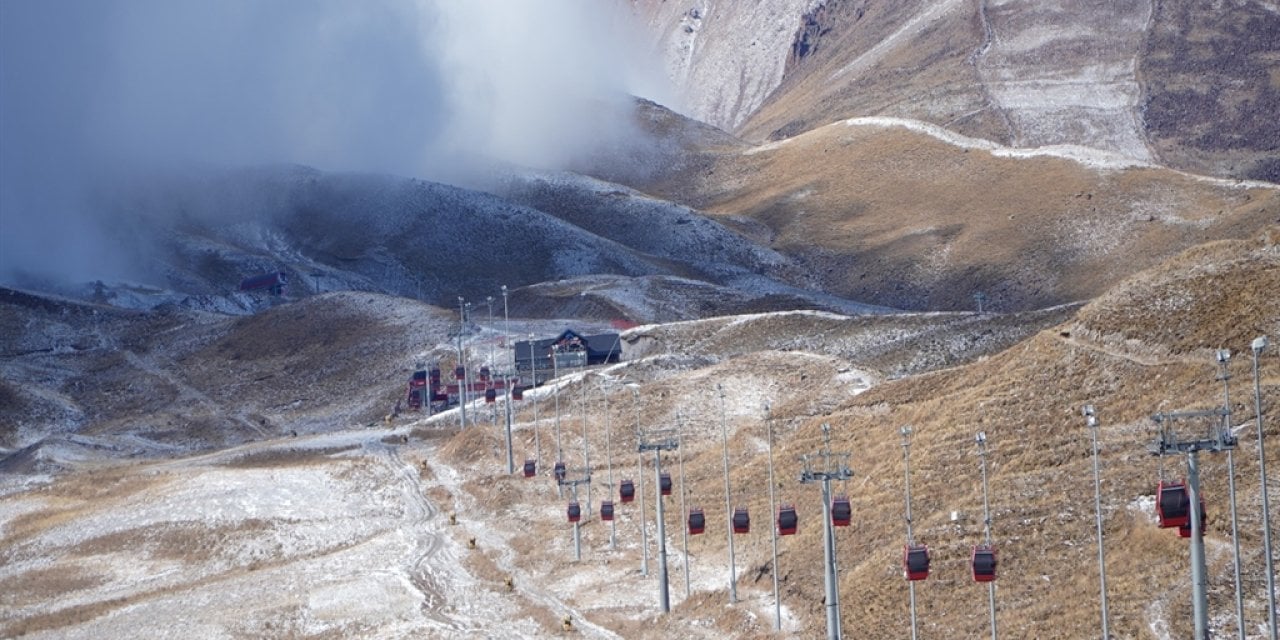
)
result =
(883, 212)
(348, 531)
(1140, 349)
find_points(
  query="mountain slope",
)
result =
(1184, 84)
(907, 215)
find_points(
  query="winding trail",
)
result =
(425, 529)
(544, 599)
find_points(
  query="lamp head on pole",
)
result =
(1259, 343)
(1223, 355)
(981, 438)
(1087, 410)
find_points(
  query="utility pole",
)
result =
(608, 455)
(506, 381)
(1092, 420)
(728, 504)
(488, 383)
(644, 522)
(462, 366)
(906, 465)
(828, 472)
(1223, 357)
(1258, 345)
(577, 530)
(663, 442)
(555, 375)
(773, 531)
(533, 373)
(986, 524)
(1217, 440)
(586, 452)
(684, 507)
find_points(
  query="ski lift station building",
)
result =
(569, 350)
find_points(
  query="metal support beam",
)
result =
(837, 471)
(1217, 439)
(657, 447)
(1092, 420)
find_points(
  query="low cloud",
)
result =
(98, 92)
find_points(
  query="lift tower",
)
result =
(1217, 439)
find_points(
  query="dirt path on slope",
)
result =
(450, 479)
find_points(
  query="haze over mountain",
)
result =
(953, 216)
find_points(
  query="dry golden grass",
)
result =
(894, 217)
(1027, 399)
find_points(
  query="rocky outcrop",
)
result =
(725, 56)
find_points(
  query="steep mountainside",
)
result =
(199, 236)
(906, 215)
(420, 529)
(1187, 84)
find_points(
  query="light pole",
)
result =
(533, 374)
(1223, 356)
(906, 465)
(586, 452)
(608, 456)
(773, 531)
(728, 505)
(986, 524)
(462, 366)
(488, 383)
(829, 472)
(657, 447)
(1168, 442)
(1258, 345)
(644, 522)
(555, 374)
(1092, 420)
(577, 531)
(684, 507)
(506, 381)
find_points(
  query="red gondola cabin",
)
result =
(517, 392)
(1184, 531)
(664, 483)
(915, 562)
(530, 468)
(559, 471)
(984, 563)
(460, 372)
(787, 520)
(741, 520)
(841, 511)
(490, 395)
(606, 510)
(697, 522)
(575, 512)
(1173, 505)
(627, 490)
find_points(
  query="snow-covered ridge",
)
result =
(1086, 156)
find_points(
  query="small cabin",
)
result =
(273, 283)
(568, 350)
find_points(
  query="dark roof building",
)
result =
(571, 349)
